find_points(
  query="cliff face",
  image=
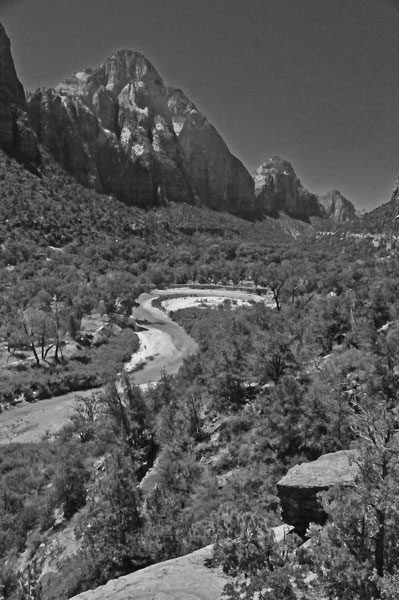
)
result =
(337, 207)
(118, 129)
(16, 136)
(277, 188)
(111, 129)
(219, 178)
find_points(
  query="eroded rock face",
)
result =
(337, 207)
(298, 489)
(16, 135)
(118, 129)
(112, 130)
(220, 180)
(278, 189)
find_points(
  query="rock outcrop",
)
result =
(16, 135)
(184, 578)
(278, 189)
(219, 178)
(337, 207)
(298, 489)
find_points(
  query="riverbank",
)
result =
(163, 346)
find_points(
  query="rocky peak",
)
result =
(16, 137)
(122, 68)
(116, 128)
(117, 132)
(126, 66)
(271, 168)
(337, 207)
(278, 189)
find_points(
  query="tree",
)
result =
(276, 355)
(247, 549)
(276, 277)
(358, 548)
(71, 480)
(130, 420)
(113, 541)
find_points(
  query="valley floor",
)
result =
(163, 346)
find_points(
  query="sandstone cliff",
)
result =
(118, 129)
(219, 178)
(16, 136)
(278, 189)
(337, 207)
(111, 129)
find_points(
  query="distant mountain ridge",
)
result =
(278, 189)
(337, 207)
(121, 131)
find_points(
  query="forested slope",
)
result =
(268, 388)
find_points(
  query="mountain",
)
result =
(278, 189)
(111, 129)
(118, 129)
(16, 135)
(337, 207)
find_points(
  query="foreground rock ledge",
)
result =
(298, 489)
(184, 578)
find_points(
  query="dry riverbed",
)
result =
(163, 345)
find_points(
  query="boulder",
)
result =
(337, 207)
(278, 189)
(188, 577)
(299, 488)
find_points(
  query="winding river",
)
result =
(163, 346)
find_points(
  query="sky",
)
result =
(314, 81)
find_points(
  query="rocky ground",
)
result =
(184, 578)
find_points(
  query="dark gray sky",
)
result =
(315, 81)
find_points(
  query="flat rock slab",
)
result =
(184, 578)
(329, 469)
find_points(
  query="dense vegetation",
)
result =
(269, 387)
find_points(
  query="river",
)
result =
(163, 346)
